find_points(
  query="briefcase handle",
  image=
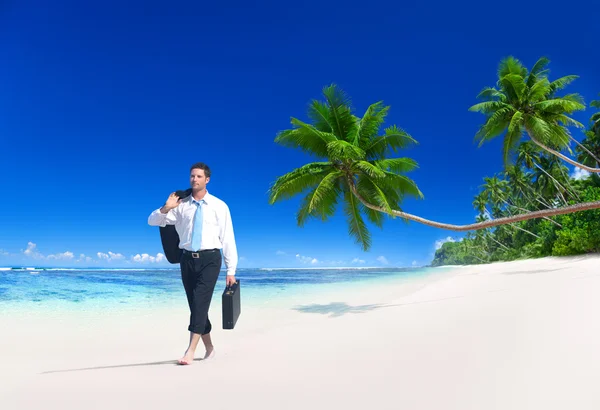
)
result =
(230, 288)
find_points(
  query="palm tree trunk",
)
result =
(527, 210)
(499, 243)
(546, 218)
(563, 157)
(553, 180)
(572, 190)
(585, 149)
(525, 230)
(515, 226)
(479, 225)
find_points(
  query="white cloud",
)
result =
(415, 263)
(356, 260)
(334, 263)
(579, 173)
(110, 256)
(62, 256)
(3, 252)
(145, 258)
(243, 259)
(83, 258)
(32, 251)
(307, 259)
(440, 242)
(280, 253)
(382, 259)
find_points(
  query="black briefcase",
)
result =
(231, 305)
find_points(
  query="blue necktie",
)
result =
(197, 230)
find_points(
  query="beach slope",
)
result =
(516, 335)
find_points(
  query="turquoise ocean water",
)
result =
(24, 288)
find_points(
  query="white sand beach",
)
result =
(517, 335)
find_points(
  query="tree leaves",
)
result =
(527, 101)
(355, 151)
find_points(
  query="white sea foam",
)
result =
(335, 268)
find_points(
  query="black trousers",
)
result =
(199, 277)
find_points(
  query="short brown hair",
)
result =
(203, 166)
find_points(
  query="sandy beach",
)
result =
(515, 335)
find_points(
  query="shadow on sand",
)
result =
(171, 362)
(337, 309)
(532, 272)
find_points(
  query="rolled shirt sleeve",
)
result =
(157, 218)
(227, 238)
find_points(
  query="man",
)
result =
(204, 225)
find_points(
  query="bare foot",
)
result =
(210, 353)
(188, 358)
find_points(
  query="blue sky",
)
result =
(104, 107)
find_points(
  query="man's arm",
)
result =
(230, 255)
(166, 215)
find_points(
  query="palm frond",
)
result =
(564, 120)
(376, 195)
(394, 139)
(318, 112)
(369, 124)
(537, 71)
(365, 187)
(562, 82)
(356, 225)
(342, 150)
(298, 180)
(396, 165)
(371, 170)
(511, 65)
(539, 90)
(402, 184)
(324, 189)
(305, 137)
(495, 125)
(340, 112)
(515, 86)
(491, 93)
(489, 107)
(559, 136)
(325, 210)
(513, 136)
(559, 105)
(538, 127)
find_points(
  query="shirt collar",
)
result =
(206, 198)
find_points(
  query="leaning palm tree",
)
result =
(527, 103)
(354, 169)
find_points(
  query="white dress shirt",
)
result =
(217, 227)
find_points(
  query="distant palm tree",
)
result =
(496, 191)
(529, 156)
(527, 103)
(589, 156)
(355, 170)
(596, 117)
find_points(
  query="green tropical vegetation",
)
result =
(531, 208)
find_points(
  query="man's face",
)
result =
(198, 180)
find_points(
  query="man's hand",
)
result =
(172, 203)
(230, 280)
